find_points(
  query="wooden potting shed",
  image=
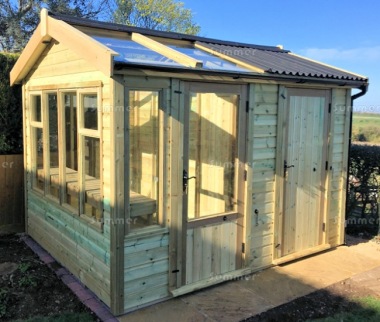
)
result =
(159, 163)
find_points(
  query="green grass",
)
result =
(369, 311)
(64, 317)
(366, 127)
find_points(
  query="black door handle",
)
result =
(185, 180)
(286, 166)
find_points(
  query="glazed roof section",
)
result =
(212, 54)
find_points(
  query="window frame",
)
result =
(163, 120)
(34, 125)
(81, 134)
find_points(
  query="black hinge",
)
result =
(178, 92)
(329, 107)
(245, 175)
(243, 248)
(324, 227)
(327, 165)
(247, 106)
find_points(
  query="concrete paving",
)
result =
(237, 300)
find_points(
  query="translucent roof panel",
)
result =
(210, 61)
(132, 52)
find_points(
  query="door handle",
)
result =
(286, 166)
(185, 180)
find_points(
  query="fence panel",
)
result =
(12, 214)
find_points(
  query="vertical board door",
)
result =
(213, 175)
(304, 170)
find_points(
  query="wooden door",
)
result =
(213, 174)
(305, 158)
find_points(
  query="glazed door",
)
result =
(304, 170)
(213, 175)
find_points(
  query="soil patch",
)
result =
(29, 288)
(337, 298)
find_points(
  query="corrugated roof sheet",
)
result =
(273, 60)
(282, 63)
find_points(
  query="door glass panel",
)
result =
(212, 154)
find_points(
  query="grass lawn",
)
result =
(369, 311)
(366, 127)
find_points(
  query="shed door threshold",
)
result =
(230, 276)
(298, 255)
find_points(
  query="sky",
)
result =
(345, 34)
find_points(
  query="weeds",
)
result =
(3, 302)
(26, 280)
(23, 267)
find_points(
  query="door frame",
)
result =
(282, 132)
(178, 258)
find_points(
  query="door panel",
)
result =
(212, 197)
(304, 170)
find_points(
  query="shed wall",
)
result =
(84, 250)
(340, 122)
(146, 266)
(261, 161)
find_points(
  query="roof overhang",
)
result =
(121, 68)
(49, 28)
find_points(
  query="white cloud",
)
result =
(369, 54)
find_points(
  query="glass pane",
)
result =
(53, 144)
(212, 154)
(93, 198)
(70, 105)
(144, 157)
(38, 159)
(132, 52)
(210, 61)
(90, 111)
(36, 106)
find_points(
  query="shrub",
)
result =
(10, 108)
(363, 193)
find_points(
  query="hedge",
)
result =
(363, 195)
(10, 108)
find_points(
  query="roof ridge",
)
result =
(151, 32)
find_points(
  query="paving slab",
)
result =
(331, 266)
(369, 279)
(227, 302)
(172, 310)
(241, 299)
(275, 286)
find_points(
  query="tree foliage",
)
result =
(164, 15)
(10, 109)
(19, 18)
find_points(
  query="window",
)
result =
(37, 142)
(144, 172)
(52, 172)
(90, 198)
(66, 149)
(70, 173)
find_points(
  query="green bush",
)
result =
(10, 108)
(363, 192)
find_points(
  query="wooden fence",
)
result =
(12, 214)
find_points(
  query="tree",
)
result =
(18, 19)
(165, 15)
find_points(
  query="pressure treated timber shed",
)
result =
(158, 163)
